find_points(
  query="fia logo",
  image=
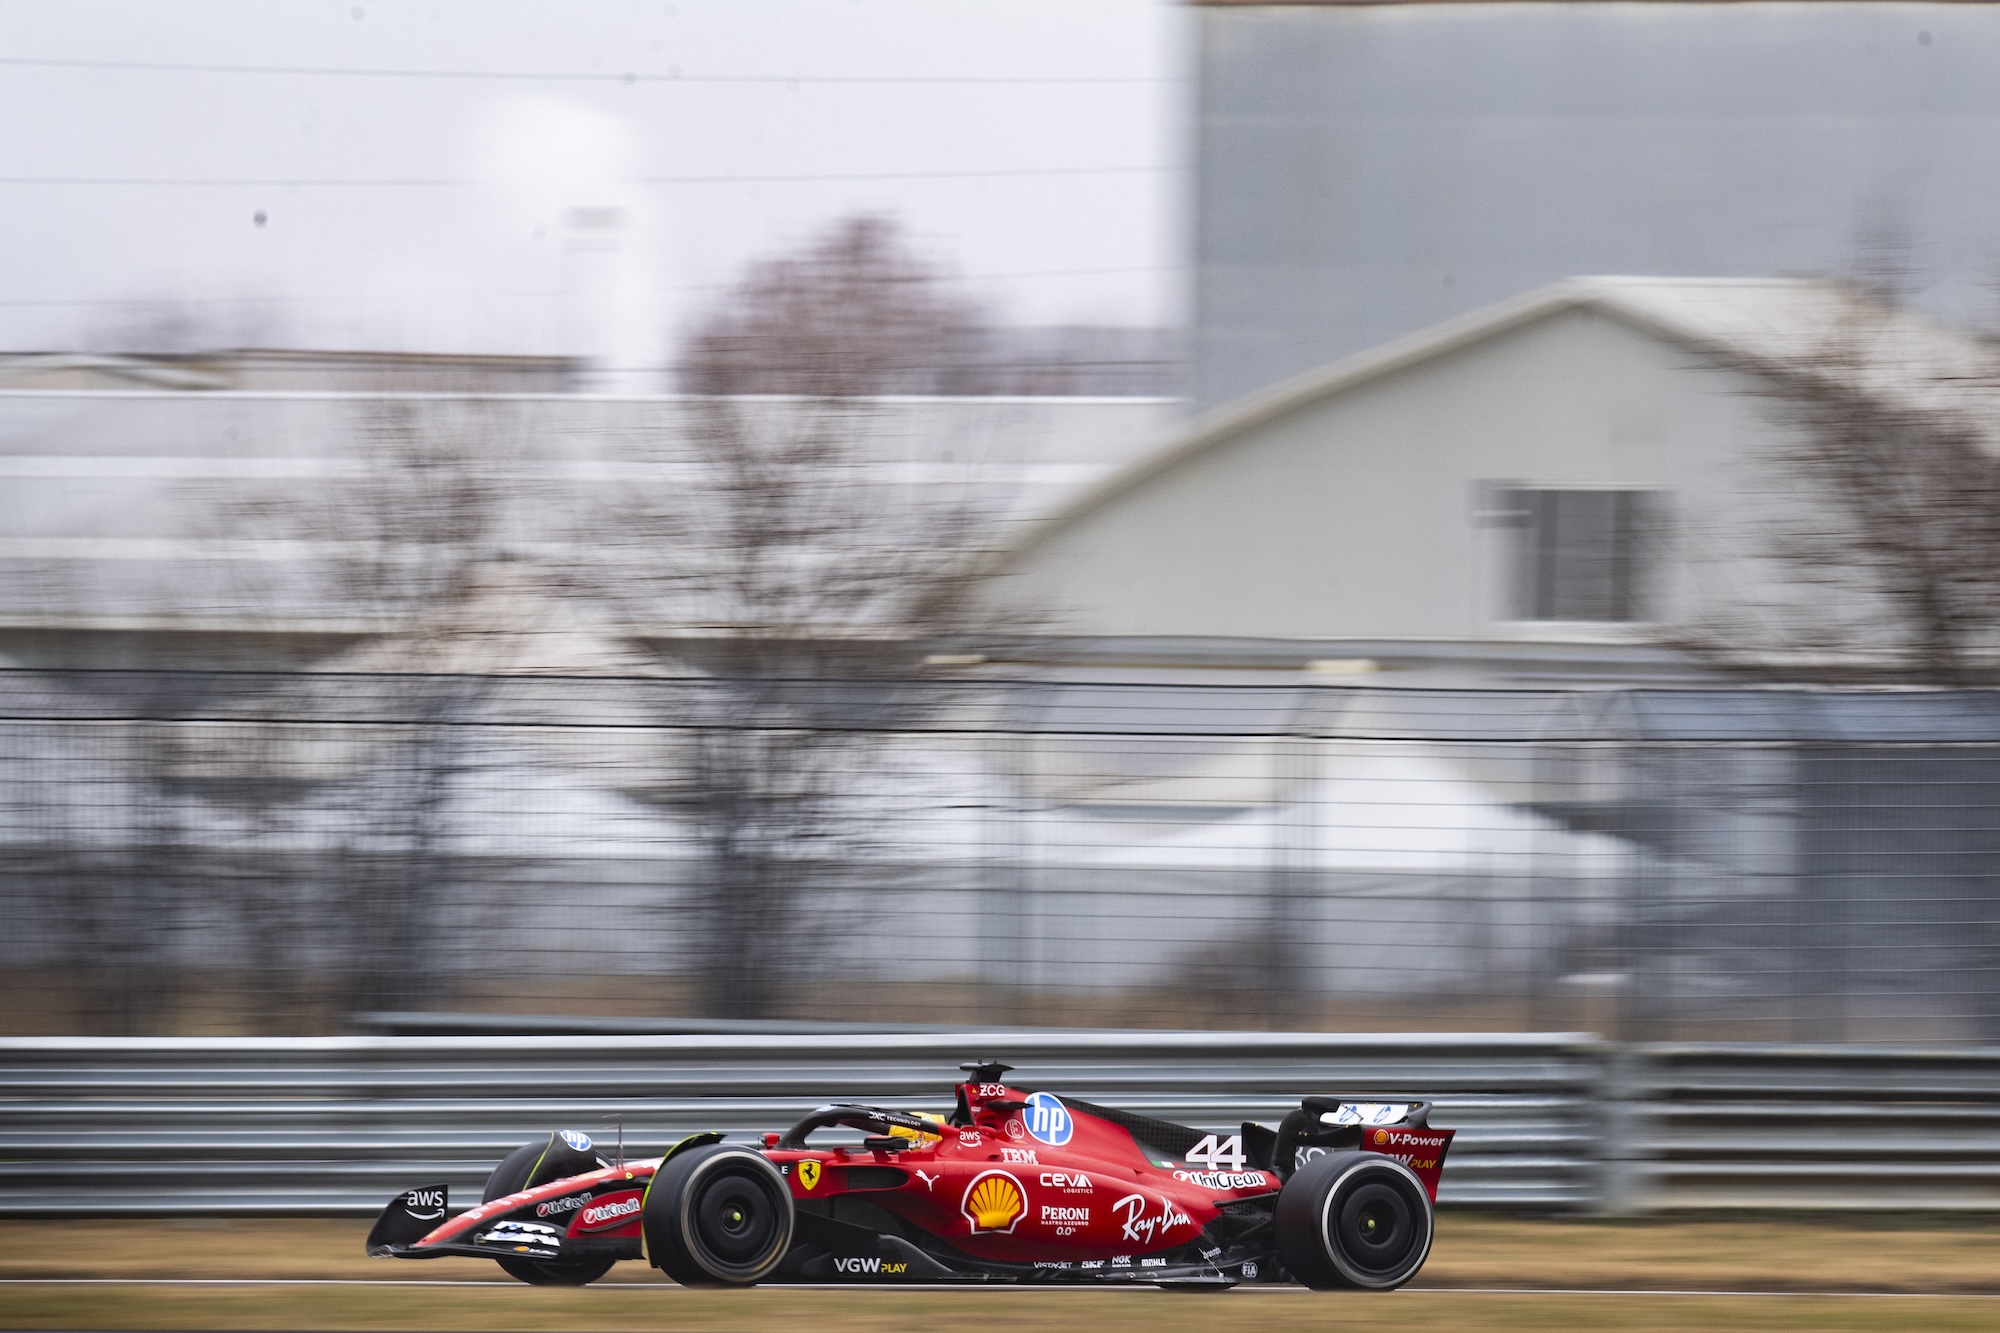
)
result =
(808, 1174)
(1048, 1119)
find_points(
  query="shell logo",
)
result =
(1381, 1136)
(994, 1201)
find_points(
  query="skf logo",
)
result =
(994, 1201)
(808, 1174)
(1381, 1136)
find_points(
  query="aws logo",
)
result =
(424, 1205)
(994, 1201)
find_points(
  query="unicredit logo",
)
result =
(609, 1212)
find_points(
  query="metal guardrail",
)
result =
(106, 1126)
(103, 1126)
(1820, 1127)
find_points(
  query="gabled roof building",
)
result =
(1575, 480)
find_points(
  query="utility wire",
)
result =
(395, 182)
(310, 298)
(626, 77)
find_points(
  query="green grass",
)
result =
(1919, 1256)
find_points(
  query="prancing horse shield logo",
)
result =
(808, 1173)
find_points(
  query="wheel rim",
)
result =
(1377, 1229)
(735, 1220)
(1374, 1226)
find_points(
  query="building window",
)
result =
(1577, 554)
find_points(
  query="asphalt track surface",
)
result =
(1049, 1289)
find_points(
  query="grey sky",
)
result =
(1031, 143)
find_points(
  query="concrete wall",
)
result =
(1364, 171)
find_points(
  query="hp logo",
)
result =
(1048, 1119)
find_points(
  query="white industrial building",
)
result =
(152, 518)
(1557, 485)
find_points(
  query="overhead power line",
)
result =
(313, 298)
(399, 182)
(625, 77)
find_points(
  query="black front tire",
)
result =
(1354, 1219)
(510, 1177)
(543, 1273)
(718, 1216)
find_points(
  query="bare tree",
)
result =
(1888, 464)
(403, 543)
(853, 312)
(857, 311)
(806, 576)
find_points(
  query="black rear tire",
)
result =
(510, 1177)
(718, 1215)
(1354, 1219)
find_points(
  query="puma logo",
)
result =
(928, 1179)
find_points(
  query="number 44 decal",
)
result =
(1224, 1156)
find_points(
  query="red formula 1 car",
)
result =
(1015, 1186)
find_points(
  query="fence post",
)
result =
(1621, 1134)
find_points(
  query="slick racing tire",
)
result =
(512, 1175)
(717, 1215)
(1354, 1219)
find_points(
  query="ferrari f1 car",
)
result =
(1014, 1186)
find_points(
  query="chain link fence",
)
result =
(189, 852)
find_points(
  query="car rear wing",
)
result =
(1395, 1128)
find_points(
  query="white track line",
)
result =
(1049, 1288)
